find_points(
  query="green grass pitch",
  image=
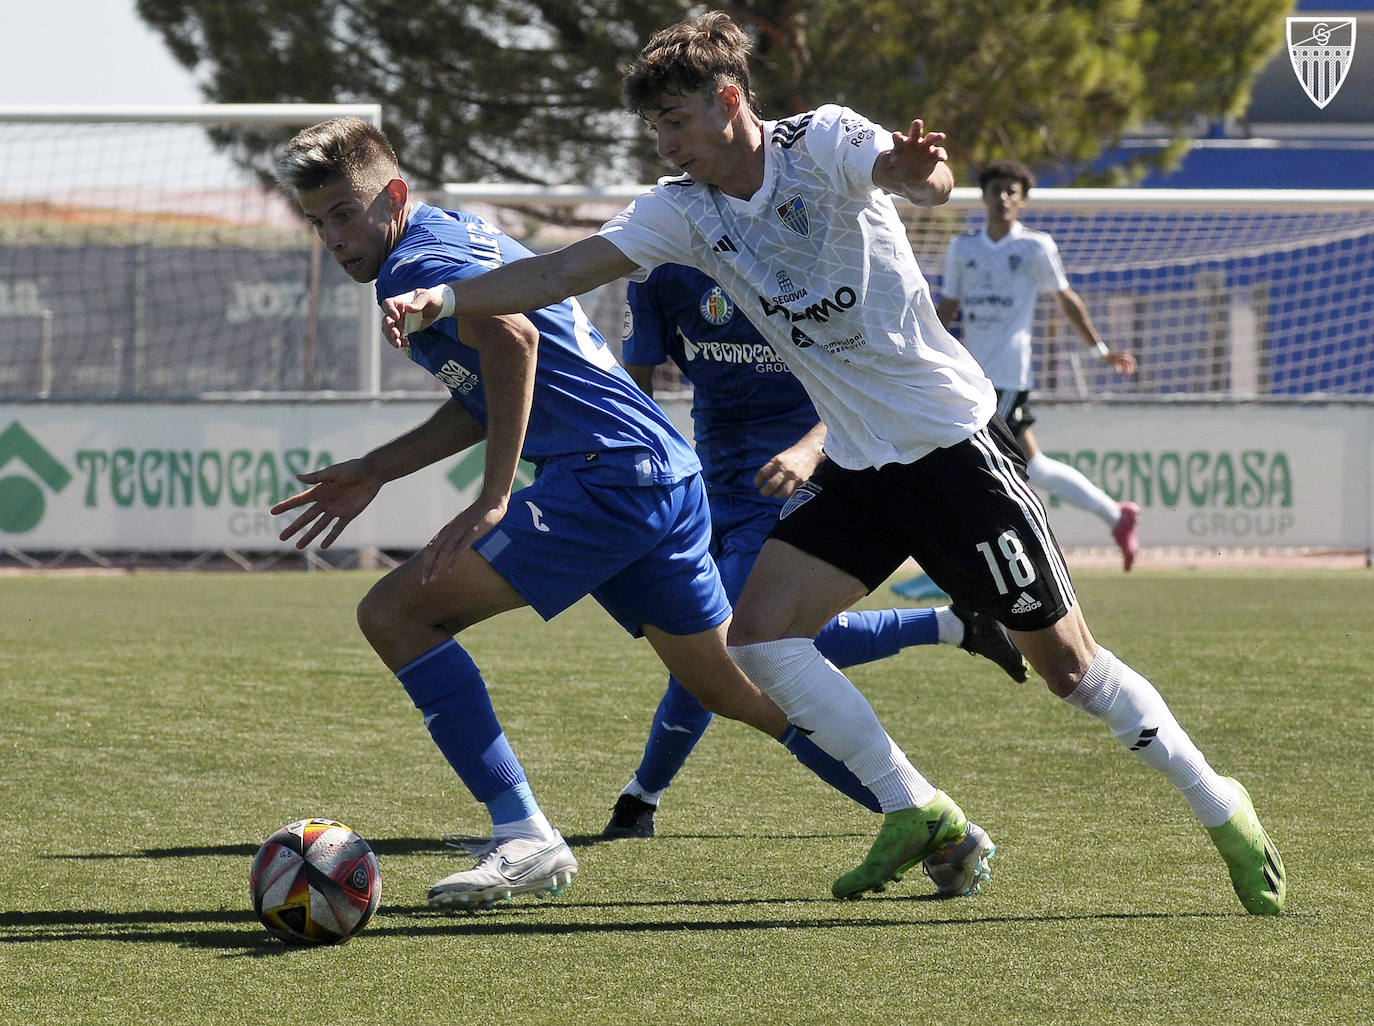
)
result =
(157, 727)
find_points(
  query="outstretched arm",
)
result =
(338, 493)
(516, 287)
(915, 167)
(1077, 312)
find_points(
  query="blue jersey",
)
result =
(747, 406)
(586, 409)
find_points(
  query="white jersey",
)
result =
(819, 261)
(996, 284)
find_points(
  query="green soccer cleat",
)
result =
(1256, 870)
(906, 837)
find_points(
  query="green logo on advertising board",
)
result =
(22, 500)
(1246, 495)
(466, 475)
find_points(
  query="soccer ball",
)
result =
(315, 882)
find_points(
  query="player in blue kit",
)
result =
(618, 509)
(758, 437)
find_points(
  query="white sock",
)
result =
(1066, 483)
(950, 627)
(1136, 713)
(821, 700)
(636, 789)
(534, 828)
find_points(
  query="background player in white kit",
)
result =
(993, 277)
(795, 216)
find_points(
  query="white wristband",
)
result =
(449, 302)
(1102, 351)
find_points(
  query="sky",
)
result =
(86, 51)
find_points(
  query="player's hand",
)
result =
(460, 533)
(916, 154)
(1120, 361)
(781, 475)
(336, 495)
(411, 311)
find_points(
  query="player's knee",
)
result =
(1061, 683)
(749, 629)
(1061, 672)
(375, 617)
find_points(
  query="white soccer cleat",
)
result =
(505, 868)
(963, 868)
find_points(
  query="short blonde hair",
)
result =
(342, 149)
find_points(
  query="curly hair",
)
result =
(1012, 169)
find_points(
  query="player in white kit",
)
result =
(993, 277)
(795, 221)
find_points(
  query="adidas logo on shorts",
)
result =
(1025, 604)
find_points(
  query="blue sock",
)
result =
(448, 689)
(678, 725)
(827, 767)
(865, 635)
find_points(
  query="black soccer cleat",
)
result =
(631, 817)
(986, 637)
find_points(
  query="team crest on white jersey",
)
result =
(794, 217)
(1321, 50)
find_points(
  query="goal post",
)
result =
(140, 261)
(1220, 293)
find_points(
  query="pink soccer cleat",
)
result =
(1125, 534)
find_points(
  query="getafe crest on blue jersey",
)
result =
(716, 306)
(794, 216)
(746, 406)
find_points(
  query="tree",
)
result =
(528, 90)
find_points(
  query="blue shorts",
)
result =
(643, 552)
(739, 527)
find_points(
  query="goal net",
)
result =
(138, 260)
(1218, 293)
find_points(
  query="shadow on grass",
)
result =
(418, 846)
(236, 933)
(228, 930)
(385, 846)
